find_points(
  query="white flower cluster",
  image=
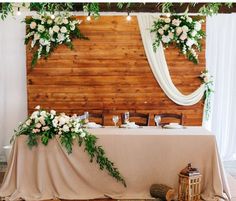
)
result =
(44, 30)
(206, 77)
(42, 121)
(182, 30)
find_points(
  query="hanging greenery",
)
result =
(182, 31)
(46, 32)
(46, 125)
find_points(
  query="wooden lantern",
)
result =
(189, 184)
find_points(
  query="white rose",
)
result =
(197, 26)
(63, 29)
(193, 33)
(65, 21)
(43, 42)
(183, 36)
(38, 125)
(42, 120)
(43, 113)
(53, 112)
(28, 122)
(206, 79)
(54, 123)
(34, 115)
(185, 28)
(61, 37)
(165, 39)
(82, 134)
(72, 27)
(178, 31)
(176, 22)
(37, 107)
(50, 31)
(166, 27)
(62, 121)
(190, 42)
(167, 20)
(46, 128)
(160, 31)
(33, 25)
(36, 36)
(58, 20)
(56, 28)
(189, 19)
(49, 21)
(65, 128)
(41, 28)
(171, 35)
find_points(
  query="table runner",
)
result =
(144, 156)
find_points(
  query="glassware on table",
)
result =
(157, 120)
(86, 117)
(115, 119)
(126, 117)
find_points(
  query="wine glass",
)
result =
(157, 120)
(115, 119)
(126, 117)
(86, 117)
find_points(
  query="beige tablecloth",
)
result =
(144, 156)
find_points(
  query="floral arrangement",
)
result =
(43, 125)
(183, 31)
(207, 80)
(46, 32)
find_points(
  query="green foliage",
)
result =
(51, 7)
(166, 7)
(6, 9)
(210, 9)
(44, 126)
(122, 5)
(92, 8)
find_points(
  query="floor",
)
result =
(230, 167)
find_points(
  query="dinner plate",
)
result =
(169, 126)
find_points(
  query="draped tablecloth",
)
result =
(144, 156)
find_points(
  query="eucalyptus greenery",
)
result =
(44, 126)
(6, 9)
(207, 80)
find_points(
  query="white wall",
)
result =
(13, 95)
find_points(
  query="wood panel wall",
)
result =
(110, 73)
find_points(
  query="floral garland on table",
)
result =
(45, 126)
(207, 80)
(183, 31)
(46, 32)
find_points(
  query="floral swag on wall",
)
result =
(46, 32)
(182, 31)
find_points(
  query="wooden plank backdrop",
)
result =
(110, 73)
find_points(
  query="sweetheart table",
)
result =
(143, 156)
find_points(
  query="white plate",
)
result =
(129, 126)
(175, 126)
(92, 125)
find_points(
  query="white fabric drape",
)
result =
(13, 101)
(159, 66)
(221, 62)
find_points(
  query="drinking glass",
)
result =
(86, 117)
(126, 117)
(115, 119)
(157, 120)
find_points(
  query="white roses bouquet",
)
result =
(45, 125)
(183, 31)
(45, 33)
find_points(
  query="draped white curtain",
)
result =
(221, 61)
(13, 101)
(159, 66)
